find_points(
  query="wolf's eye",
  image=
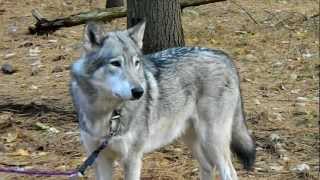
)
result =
(137, 63)
(115, 63)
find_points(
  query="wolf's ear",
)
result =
(136, 33)
(93, 36)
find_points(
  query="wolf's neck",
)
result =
(96, 119)
(94, 113)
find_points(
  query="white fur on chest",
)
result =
(168, 128)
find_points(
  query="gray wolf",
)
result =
(190, 93)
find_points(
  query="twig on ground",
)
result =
(243, 9)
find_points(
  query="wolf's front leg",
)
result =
(104, 162)
(132, 166)
(129, 153)
(104, 167)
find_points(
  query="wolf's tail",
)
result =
(242, 144)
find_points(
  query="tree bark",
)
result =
(163, 28)
(114, 3)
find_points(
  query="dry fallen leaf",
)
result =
(213, 41)
(11, 137)
(21, 152)
(46, 127)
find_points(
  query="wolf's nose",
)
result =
(137, 92)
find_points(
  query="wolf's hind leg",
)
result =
(214, 130)
(222, 159)
(216, 150)
(191, 140)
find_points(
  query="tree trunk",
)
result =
(114, 3)
(163, 28)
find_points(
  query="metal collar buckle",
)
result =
(114, 123)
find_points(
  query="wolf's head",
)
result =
(112, 63)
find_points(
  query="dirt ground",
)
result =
(275, 46)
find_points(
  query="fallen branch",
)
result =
(45, 26)
(188, 3)
(28, 107)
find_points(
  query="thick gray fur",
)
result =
(188, 92)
